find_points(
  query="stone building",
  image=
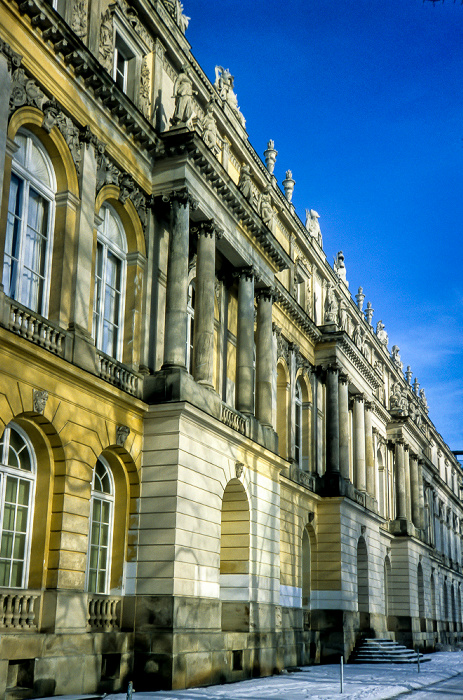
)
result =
(212, 466)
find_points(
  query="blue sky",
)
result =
(364, 100)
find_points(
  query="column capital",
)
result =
(359, 397)
(182, 196)
(332, 367)
(276, 329)
(369, 405)
(343, 377)
(13, 59)
(207, 228)
(414, 456)
(266, 294)
(247, 272)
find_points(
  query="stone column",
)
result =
(245, 343)
(414, 490)
(264, 357)
(359, 443)
(369, 452)
(9, 61)
(203, 344)
(421, 495)
(332, 419)
(175, 337)
(401, 512)
(344, 425)
(408, 505)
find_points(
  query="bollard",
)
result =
(130, 690)
(342, 673)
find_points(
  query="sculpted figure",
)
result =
(209, 126)
(381, 333)
(343, 319)
(424, 400)
(396, 357)
(331, 306)
(340, 268)
(183, 93)
(398, 402)
(245, 183)
(359, 338)
(265, 206)
(224, 84)
(312, 225)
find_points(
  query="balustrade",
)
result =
(18, 610)
(103, 613)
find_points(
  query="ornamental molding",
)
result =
(13, 59)
(39, 400)
(122, 433)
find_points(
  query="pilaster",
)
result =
(245, 342)
(359, 443)
(264, 357)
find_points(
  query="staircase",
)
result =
(383, 651)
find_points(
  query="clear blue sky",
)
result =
(364, 100)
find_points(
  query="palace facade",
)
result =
(212, 466)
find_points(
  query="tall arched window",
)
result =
(110, 272)
(31, 208)
(101, 528)
(17, 486)
(298, 425)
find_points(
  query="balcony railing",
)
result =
(233, 419)
(302, 478)
(104, 613)
(35, 328)
(19, 610)
(117, 374)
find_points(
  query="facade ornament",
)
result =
(145, 102)
(184, 103)
(239, 468)
(24, 91)
(182, 196)
(39, 400)
(209, 127)
(424, 401)
(331, 306)
(122, 433)
(312, 225)
(126, 186)
(53, 116)
(398, 401)
(343, 318)
(381, 333)
(359, 338)
(416, 387)
(408, 375)
(288, 185)
(175, 9)
(270, 156)
(224, 84)
(369, 311)
(265, 206)
(79, 18)
(245, 183)
(360, 296)
(107, 172)
(13, 59)
(283, 348)
(106, 46)
(395, 357)
(340, 268)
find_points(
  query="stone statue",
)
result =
(343, 319)
(224, 84)
(245, 183)
(398, 402)
(312, 225)
(183, 93)
(265, 206)
(395, 357)
(331, 306)
(359, 338)
(175, 8)
(340, 268)
(424, 400)
(209, 127)
(381, 333)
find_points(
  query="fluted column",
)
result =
(332, 419)
(264, 357)
(408, 505)
(414, 490)
(359, 443)
(203, 344)
(344, 425)
(245, 343)
(175, 337)
(369, 452)
(420, 495)
(401, 512)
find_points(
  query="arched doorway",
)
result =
(362, 585)
(234, 558)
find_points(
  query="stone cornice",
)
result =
(353, 354)
(297, 315)
(189, 144)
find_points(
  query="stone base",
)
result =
(176, 384)
(402, 527)
(80, 349)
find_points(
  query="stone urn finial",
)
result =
(360, 298)
(369, 311)
(288, 185)
(270, 156)
(408, 374)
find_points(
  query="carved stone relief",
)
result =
(122, 433)
(145, 102)
(106, 48)
(39, 400)
(79, 18)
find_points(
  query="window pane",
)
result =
(6, 547)
(19, 546)
(4, 574)
(105, 512)
(93, 557)
(96, 510)
(11, 489)
(12, 460)
(16, 574)
(21, 519)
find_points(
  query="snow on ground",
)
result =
(375, 682)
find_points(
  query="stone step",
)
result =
(383, 651)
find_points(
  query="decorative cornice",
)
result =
(13, 59)
(297, 315)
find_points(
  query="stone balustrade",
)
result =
(103, 613)
(35, 328)
(117, 374)
(233, 419)
(19, 610)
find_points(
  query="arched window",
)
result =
(31, 208)
(17, 485)
(101, 528)
(191, 326)
(298, 425)
(306, 569)
(110, 272)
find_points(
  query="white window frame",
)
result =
(30, 476)
(28, 182)
(106, 498)
(109, 246)
(126, 41)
